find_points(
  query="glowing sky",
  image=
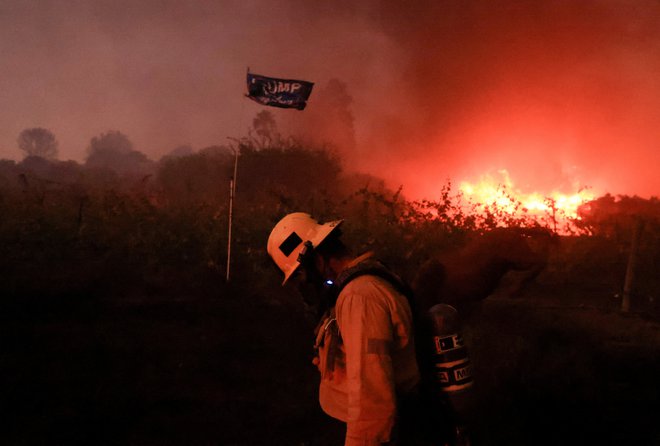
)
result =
(561, 94)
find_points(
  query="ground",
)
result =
(234, 368)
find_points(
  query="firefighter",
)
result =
(365, 343)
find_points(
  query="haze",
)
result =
(560, 94)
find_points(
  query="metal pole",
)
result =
(629, 283)
(232, 193)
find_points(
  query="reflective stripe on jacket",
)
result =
(371, 362)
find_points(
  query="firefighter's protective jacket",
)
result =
(367, 358)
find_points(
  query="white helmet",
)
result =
(288, 237)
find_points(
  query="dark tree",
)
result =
(265, 127)
(109, 143)
(179, 152)
(38, 142)
(113, 150)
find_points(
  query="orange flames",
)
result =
(498, 192)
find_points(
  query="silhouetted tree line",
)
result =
(120, 220)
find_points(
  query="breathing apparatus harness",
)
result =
(370, 267)
(327, 331)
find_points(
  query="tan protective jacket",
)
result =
(367, 358)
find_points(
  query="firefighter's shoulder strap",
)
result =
(376, 268)
(372, 267)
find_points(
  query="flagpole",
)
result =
(232, 193)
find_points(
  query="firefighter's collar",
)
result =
(359, 259)
(349, 265)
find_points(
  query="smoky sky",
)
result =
(560, 94)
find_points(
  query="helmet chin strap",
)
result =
(305, 253)
(317, 284)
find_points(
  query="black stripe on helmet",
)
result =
(290, 243)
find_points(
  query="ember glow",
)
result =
(499, 191)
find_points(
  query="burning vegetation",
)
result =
(147, 219)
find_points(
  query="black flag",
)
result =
(284, 93)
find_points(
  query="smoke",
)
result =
(559, 94)
(328, 121)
